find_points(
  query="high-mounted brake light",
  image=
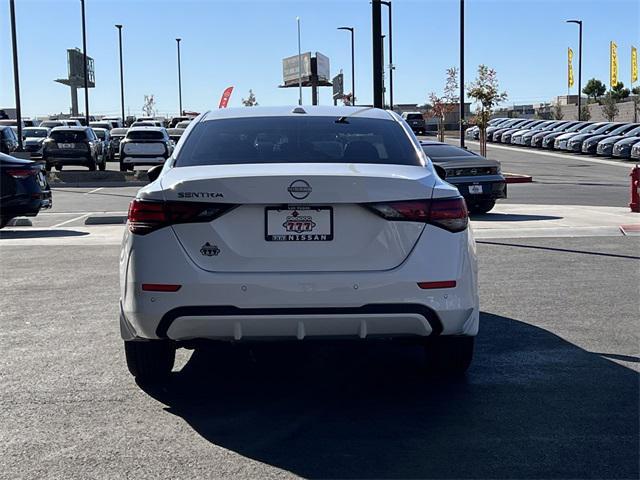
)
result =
(145, 216)
(448, 213)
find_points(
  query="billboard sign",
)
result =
(76, 68)
(324, 71)
(338, 86)
(290, 68)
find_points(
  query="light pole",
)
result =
(579, 22)
(384, 89)
(376, 32)
(353, 64)
(179, 78)
(299, 65)
(391, 67)
(16, 76)
(86, 76)
(461, 73)
(119, 27)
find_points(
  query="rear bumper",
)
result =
(151, 160)
(491, 188)
(67, 160)
(247, 306)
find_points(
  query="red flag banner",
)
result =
(224, 100)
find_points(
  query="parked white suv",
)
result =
(294, 223)
(144, 146)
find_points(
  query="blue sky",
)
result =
(241, 43)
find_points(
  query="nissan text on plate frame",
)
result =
(289, 224)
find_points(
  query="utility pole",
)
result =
(462, 74)
(86, 75)
(376, 33)
(16, 76)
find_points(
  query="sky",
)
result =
(241, 43)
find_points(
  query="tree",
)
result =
(441, 106)
(619, 92)
(609, 107)
(557, 110)
(594, 89)
(251, 101)
(485, 91)
(585, 113)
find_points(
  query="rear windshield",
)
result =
(35, 132)
(100, 134)
(446, 151)
(297, 140)
(144, 135)
(69, 136)
(414, 116)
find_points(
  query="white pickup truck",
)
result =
(145, 146)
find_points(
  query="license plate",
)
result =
(66, 145)
(299, 224)
(475, 188)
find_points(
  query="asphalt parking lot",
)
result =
(552, 393)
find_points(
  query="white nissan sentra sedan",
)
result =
(295, 223)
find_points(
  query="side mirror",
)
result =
(442, 173)
(154, 172)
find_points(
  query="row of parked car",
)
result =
(66, 142)
(607, 139)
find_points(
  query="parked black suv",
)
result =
(72, 146)
(415, 121)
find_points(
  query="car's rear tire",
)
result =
(123, 167)
(484, 206)
(449, 356)
(4, 221)
(91, 164)
(149, 360)
(103, 165)
(59, 167)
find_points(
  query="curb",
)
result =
(105, 220)
(516, 178)
(106, 178)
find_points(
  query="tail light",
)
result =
(145, 216)
(22, 172)
(448, 213)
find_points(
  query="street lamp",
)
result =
(391, 67)
(384, 89)
(179, 78)
(86, 76)
(353, 64)
(579, 22)
(119, 27)
(299, 65)
(16, 76)
(462, 74)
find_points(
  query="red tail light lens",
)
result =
(448, 213)
(145, 216)
(21, 172)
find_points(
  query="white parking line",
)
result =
(94, 191)
(81, 217)
(557, 155)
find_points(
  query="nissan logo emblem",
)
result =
(299, 189)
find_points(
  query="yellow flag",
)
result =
(570, 57)
(634, 64)
(613, 65)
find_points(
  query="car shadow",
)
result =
(19, 234)
(532, 405)
(511, 217)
